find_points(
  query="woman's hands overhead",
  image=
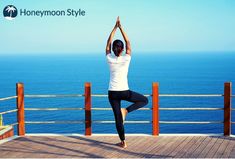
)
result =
(109, 41)
(118, 23)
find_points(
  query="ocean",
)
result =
(177, 73)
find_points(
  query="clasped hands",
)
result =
(118, 23)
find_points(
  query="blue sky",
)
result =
(152, 26)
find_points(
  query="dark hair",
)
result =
(117, 47)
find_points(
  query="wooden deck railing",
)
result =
(88, 108)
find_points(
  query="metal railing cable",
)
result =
(52, 95)
(97, 108)
(13, 124)
(8, 111)
(8, 98)
(81, 122)
(201, 108)
(55, 122)
(191, 122)
(126, 122)
(191, 95)
(105, 95)
(52, 109)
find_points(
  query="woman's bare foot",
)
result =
(124, 113)
(122, 144)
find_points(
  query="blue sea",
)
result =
(177, 73)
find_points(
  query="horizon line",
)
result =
(98, 53)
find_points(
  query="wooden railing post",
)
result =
(227, 108)
(88, 109)
(20, 107)
(155, 109)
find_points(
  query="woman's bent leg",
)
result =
(138, 101)
(116, 106)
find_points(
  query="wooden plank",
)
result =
(188, 147)
(215, 147)
(4, 150)
(171, 145)
(232, 153)
(15, 148)
(110, 149)
(107, 147)
(112, 145)
(99, 146)
(184, 147)
(208, 147)
(153, 152)
(137, 148)
(68, 147)
(179, 148)
(176, 144)
(87, 147)
(194, 146)
(154, 143)
(132, 149)
(229, 148)
(52, 147)
(116, 148)
(221, 150)
(20, 147)
(202, 146)
(149, 143)
(39, 147)
(63, 147)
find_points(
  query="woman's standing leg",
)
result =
(138, 101)
(116, 106)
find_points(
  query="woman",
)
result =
(118, 84)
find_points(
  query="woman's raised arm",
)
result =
(127, 41)
(109, 41)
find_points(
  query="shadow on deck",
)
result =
(105, 146)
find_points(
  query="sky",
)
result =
(152, 26)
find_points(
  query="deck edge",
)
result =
(76, 134)
(8, 139)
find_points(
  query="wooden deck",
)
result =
(104, 146)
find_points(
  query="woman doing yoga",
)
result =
(118, 84)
